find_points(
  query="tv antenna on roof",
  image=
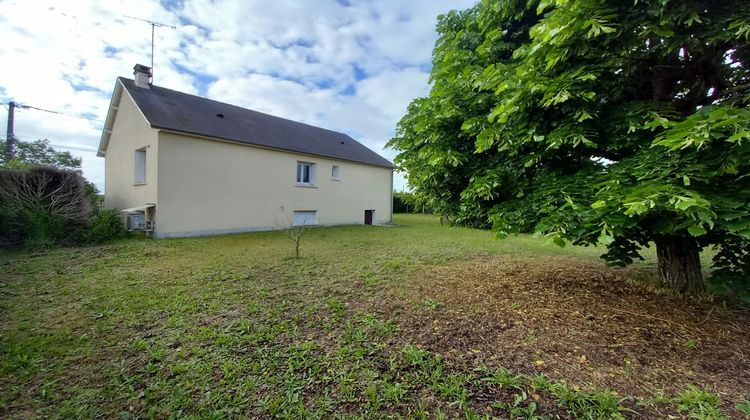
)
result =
(154, 25)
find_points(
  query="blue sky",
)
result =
(346, 65)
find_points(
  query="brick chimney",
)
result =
(142, 76)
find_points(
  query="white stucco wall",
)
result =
(210, 187)
(130, 132)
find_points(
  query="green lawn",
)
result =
(234, 326)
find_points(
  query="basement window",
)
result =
(305, 174)
(140, 166)
(305, 218)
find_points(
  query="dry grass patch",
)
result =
(580, 322)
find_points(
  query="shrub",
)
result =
(11, 229)
(42, 206)
(106, 225)
(44, 229)
(731, 274)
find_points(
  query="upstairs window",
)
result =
(305, 173)
(335, 172)
(140, 166)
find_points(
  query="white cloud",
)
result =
(352, 68)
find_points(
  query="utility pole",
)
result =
(154, 25)
(9, 137)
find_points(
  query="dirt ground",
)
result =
(579, 322)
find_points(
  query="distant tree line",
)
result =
(407, 202)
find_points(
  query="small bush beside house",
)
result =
(106, 225)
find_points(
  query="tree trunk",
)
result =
(679, 264)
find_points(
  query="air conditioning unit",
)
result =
(137, 220)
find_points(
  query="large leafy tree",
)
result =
(39, 153)
(623, 123)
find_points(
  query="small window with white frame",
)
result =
(335, 172)
(305, 218)
(305, 173)
(140, 166)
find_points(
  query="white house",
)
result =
(181, 165)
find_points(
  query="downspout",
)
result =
(391, 216)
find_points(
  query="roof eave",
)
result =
(110, 120)
(389, 165)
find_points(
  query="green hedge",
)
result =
(45, 206)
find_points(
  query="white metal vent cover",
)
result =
(305, 218)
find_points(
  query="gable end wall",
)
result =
(130, 132)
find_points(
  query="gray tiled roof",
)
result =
(171, 110)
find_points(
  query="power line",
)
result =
(79, 148)
(24, 106)
(94, 124)
(58, 145)
(30, 137)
